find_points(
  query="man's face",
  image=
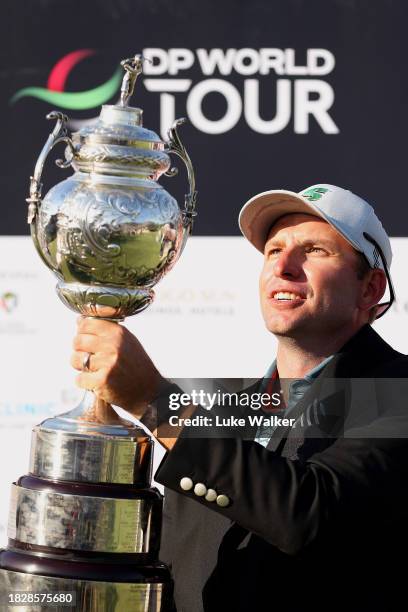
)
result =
(306, 258)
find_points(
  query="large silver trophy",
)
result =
(84, 525)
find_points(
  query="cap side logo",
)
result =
(377, 258)
(315, 193)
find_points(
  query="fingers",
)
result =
(86, 343)
(100, 340)
(97, 342)
(120, 371)
(99, 327)
(93, 381)
(95, 361)
(100, 382)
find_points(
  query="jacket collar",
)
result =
(360, 357)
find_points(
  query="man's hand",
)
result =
(120, 371)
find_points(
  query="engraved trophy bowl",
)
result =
(85, 519)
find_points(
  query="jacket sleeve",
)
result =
(290, 503)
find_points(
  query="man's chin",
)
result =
(284, 328)
(288, 327)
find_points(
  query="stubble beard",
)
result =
(302, 327)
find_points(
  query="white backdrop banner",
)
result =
(205, 322)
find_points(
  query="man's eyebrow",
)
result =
(323, 241)
(273, 242)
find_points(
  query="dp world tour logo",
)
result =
(55, 92)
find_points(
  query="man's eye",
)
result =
(315, 249)
(274, 251)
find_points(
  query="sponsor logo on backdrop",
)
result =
(55, 92)
(17, 411)
(298, 97)
(14, 411)
(299, 94)
(11, 320)
(8, 301)
(186, 301)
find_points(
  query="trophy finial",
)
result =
(133, 66)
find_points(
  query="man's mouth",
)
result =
(287, 296)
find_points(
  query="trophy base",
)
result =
(114, 303)
(66, 519)
(152, 594)
(107, 448)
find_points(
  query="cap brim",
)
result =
(263, 210)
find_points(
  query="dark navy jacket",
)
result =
(319, 519)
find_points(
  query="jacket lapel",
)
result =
(321, 413)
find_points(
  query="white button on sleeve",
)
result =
(200, 489)
(223, 501)
(186, 484)
(211, 495)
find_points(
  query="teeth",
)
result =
(284, 295)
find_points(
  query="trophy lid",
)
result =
(120, 125)
(117, 143)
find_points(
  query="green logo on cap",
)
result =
(315, 193)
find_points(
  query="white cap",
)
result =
(348, 214)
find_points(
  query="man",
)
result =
(305, 517)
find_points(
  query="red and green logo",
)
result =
(8, 301)
(55, 93)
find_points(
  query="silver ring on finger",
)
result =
(86, 362)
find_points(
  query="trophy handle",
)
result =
(59, 134)
(174, 145)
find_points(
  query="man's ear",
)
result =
(374, 285)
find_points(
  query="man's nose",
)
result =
(288, 264)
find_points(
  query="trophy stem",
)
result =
(93, 409)
(92, 416)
